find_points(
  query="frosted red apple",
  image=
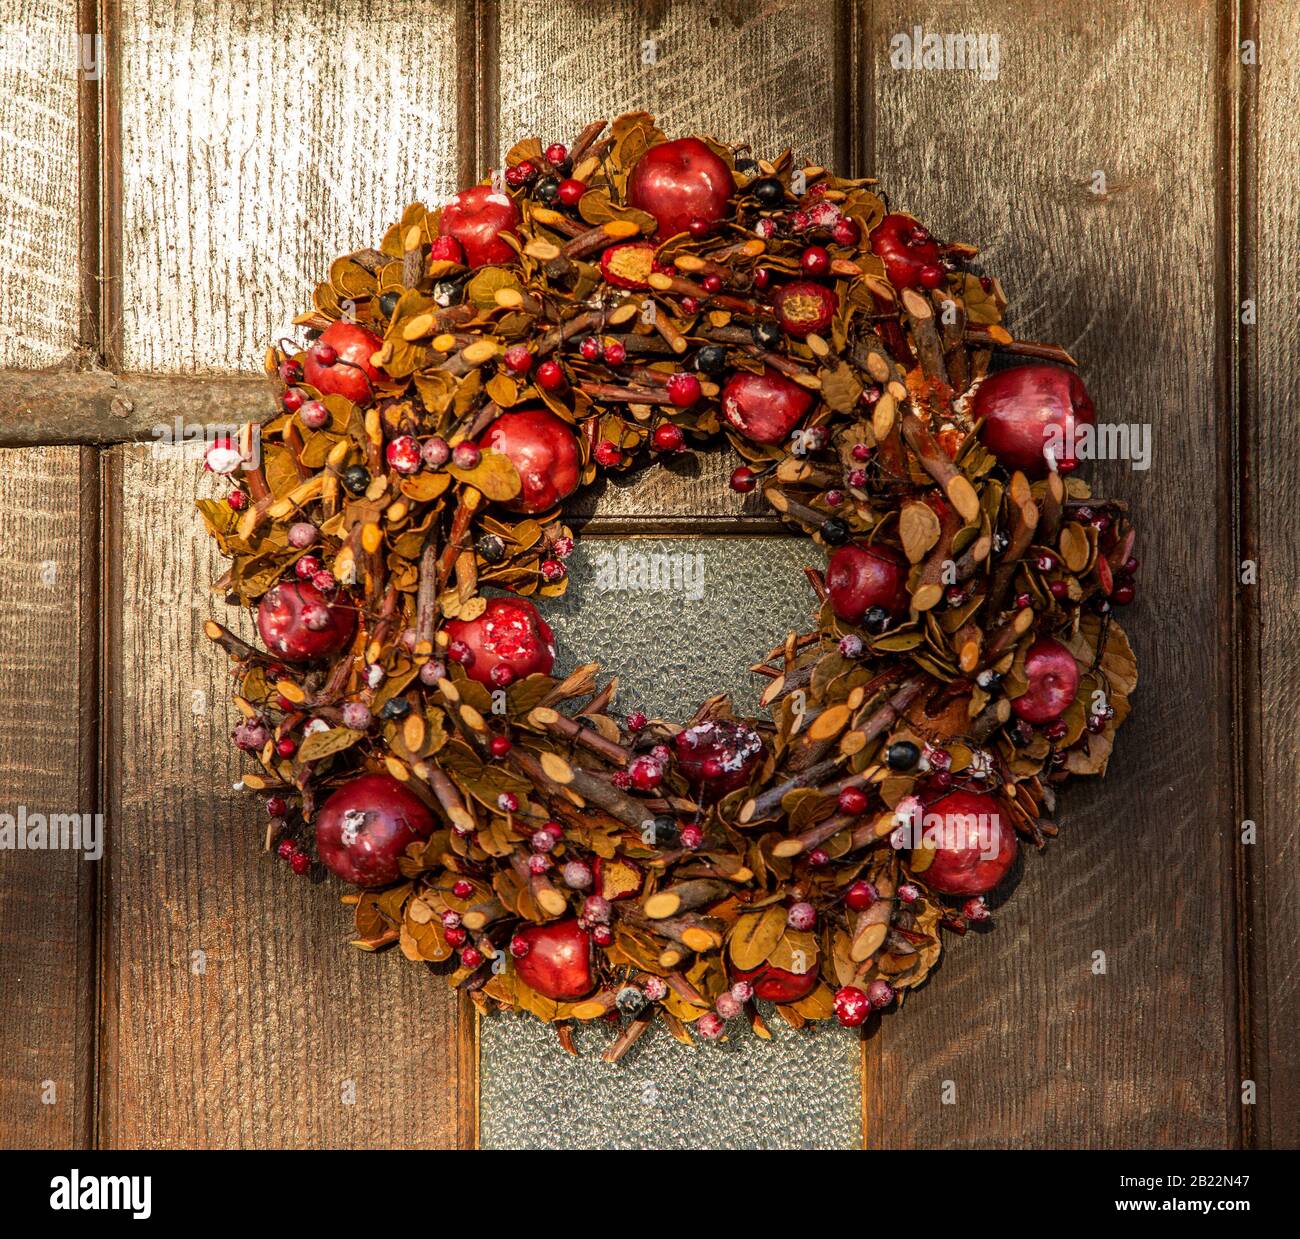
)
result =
(959, 866)
(338, 363)
(679, 183)
(1028, 408)
(911, 255)
(365, 826)
(1053, 682)
(299, 624)
(508, 641)
(718, 756)
(861, 577)
(777, 984)
(477, 217)
(543, 449)
(764, 407)
(557, 963)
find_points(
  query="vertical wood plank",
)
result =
(40, 299)
(48, 580)
(1042, 1051)
(566, 63)
(1274, 343)
(261, 140)
(254, 1041)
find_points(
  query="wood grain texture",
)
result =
(260, 141)
(564, 64)
(1041, 1051)
(258, 1049)
(40, 299)
(48, 578)
(1276, 343)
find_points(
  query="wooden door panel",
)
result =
(49, 576)
(260, 141)
(1040, 1050)
(40, 296)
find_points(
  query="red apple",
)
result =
(679, 182)
(338, 363)
(1029, 408)
(966, 825)
(764, 407)
(476, 218)
(861, 577)
(718, 756)
(911, 255)
(299, 624)
(803, 307)
(365, 826)
(1053, 681)
(557, 963)
(508, 641)
(543, 449)
(777, 984)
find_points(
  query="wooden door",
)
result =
(173, 179)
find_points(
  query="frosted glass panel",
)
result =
(678, 619)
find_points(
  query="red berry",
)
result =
(553, 571)
(1023, 601)
(570, 191)
(976, 909)
(818, 858)
(292, 400)
(1060, 590)
(518, 359)
(636, 721)
(471, 957)
(550, 376)
(615, 353)
(607, 453)
(1057, 730)
(557, 153)
(403, 454)
(462, 889)
(602, 935)
(276, 806)
(307, 567)
(508, 802)
(712, 283)
(691, 837)
(500, 746)
(762, 278)
(326, 354)
(1124, 594)
(667, 438)
(300, 863)
(851, 1006)
(816, 260)
(689, 305)
(590, 348)
(931, 275)
(846, 231)
(285, 748)
(743, 480)
(466, 455)
(646, 774)
(237, 500)
(860, 895)
(455, 936)
(684, 390)
(853, 801)
(290, 372)
(285, 849)
(519, 946)
(446, 249)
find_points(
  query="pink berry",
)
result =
(636, 721)
(596, 910)
(907, 893)
(576, 874)
(742, 991)
(307, 567)
(710, 1026)
(553, 571)
(403, 454)
(727, 1006)
(602, 935)
(538, 864)
(818, 858)
(450, 919)
(691, 837)
(466, 455)
(314, 415)
(655, 988)
(802, 916)
(285, 849)
(300, 863)
(237, 500)
(324, 582)
(880, 993)
(976, 909)
(508, 802)
(302, 534)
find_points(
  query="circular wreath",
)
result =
(394, 517)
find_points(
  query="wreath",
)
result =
(394, 519)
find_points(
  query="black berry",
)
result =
(387, 304)
(834, 532)
(875, 619)
(395, 707)
(356, 478)
(768, 191)
(491, 548)
(902, 755)
(712, 359)
(766, 335)
(548, 190)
